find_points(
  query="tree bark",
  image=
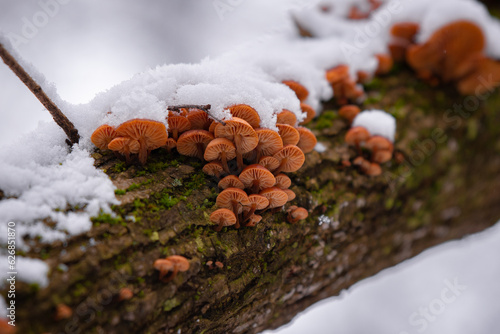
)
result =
(444, 186)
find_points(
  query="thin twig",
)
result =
(35, 88)
(205, 108)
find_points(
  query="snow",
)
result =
(377, 122)
(27, 270)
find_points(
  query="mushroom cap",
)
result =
(381, 156)
(337, 74)
(473, 84)
(180, 123)
(299, 90)
(290, 194)
(238, 127)
(199, 119)
(180, 262)
(270, 141)
(349, 112)
(376, 143)
(289, 134)
(286, 117)
(311, 113)
(299, 213)
(385, 63)
(217, 146)
(276, 197)
(124, 145)
(362, 163)
(213, 168)
(259, 201)
(63, 311)
(257, 173)
(307, 140)
(373, 170)
(125, 294)
(448, 51)
(153, 134)
(405, 30)
(171, 143)
(103, 135)
(163, 265)
(356, 135)
(270, 163)
(254, 220)
(212, 126)
(188, 142)
(230, 195)
(247, 113)
(283, 181)
(223, 215)
(231, 181)
(295, 158)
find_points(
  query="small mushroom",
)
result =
(220, 149)
(381, 148)
(403, 35)
(373, 170)
(231, 181)
(300, 91)
(385, 63)
(291, 158)
(247, 113)
(296, 214)
(213, 168)
(222, 217)
(125, 294)
(170, 144)
(177, 125)
(150, 135)
(102, 136)
(124, 146)
(199, 119)
(194, 142)
(286, 117)
(174, 263)
(288, 134)
(290, 194)
(233, 199)
(257, 202)
(349, 112)
(310, 112)
(63, 311)
(307, 141)
(270, 142)
(356, 136)
(275, 196)
(283, 181)
(253, 220)
(270, 163)
(256, 177)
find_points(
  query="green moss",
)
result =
(106, 218)
(325, 120)
(120, 192)
(119, 167)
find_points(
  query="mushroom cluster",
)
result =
(172, 264)
(454, 53)
(374, 148)
(256, 182)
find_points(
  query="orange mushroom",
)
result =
(220, 149)
(349, 112)
(310, 112)
(233, 199)
(253, 220)
(275, 196)
(286, 117)
(178, 124)
(257, 202)
(290, 194)
(307, 141)
(231, 181)
(256, 177)
(170, 144)
(150, 135)
(199, 119)
(291, 158)
(125, 294)
(270, 163)
(270, 142)
(174, 263)
(247, 113)
(403, 35)
(299, 90)
(385, 63)
(194, 142)
(213, 168)
(288, 134)
(356, 136)
(295, 214)
(283, 181)
(222, 217)
(381, 148)
(124, 146)
(102, 136)
(472, 83)
(63, 311)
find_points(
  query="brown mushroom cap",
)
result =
(307, 140)
(405, 30)
(362, 163)
(299, 213)
(231, 181)
(373, 170)
(170, 144)
(286, 117)
(194, 142)
(163, 265)
(299, 90)
(233, 199)
(180, 262)
(473, 84)
(199, 119)
(103, 135)
(270, 163)
(223, 217)
(311, 113)
(291, 159)
(337, 74)
(253, 220)
(349, 112)
(385, 63)
(283, 181)
(247, 113)
(63, 311)
(449, 51)
(220, 149)
(178, 124)
(288, 134)
(290, 194)
(150, 135)
(124, 146)
(376, 143)
(258, 201)
(382, 156)
(213, 168)
(270, 142)
(257, 177)
(356, 135)
(276, 197)
(212, 126)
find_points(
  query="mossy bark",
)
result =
(444, 186)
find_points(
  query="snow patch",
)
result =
(377, 122)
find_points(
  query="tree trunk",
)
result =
(445, 186)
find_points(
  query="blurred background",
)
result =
(87, 46)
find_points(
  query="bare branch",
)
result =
(35, 88)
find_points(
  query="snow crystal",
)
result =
(320, 147)
(28, 270)
(377, 122)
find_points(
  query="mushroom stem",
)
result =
(223, 157)
(143, 151)
(281, 166)
(171, 276)
(235, 210)
(175, 134)
(255, 187)
(239, 155)
(60, 119)
(220, 226)
(201, 149)
(250, 213)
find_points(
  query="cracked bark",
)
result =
(446, 187)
